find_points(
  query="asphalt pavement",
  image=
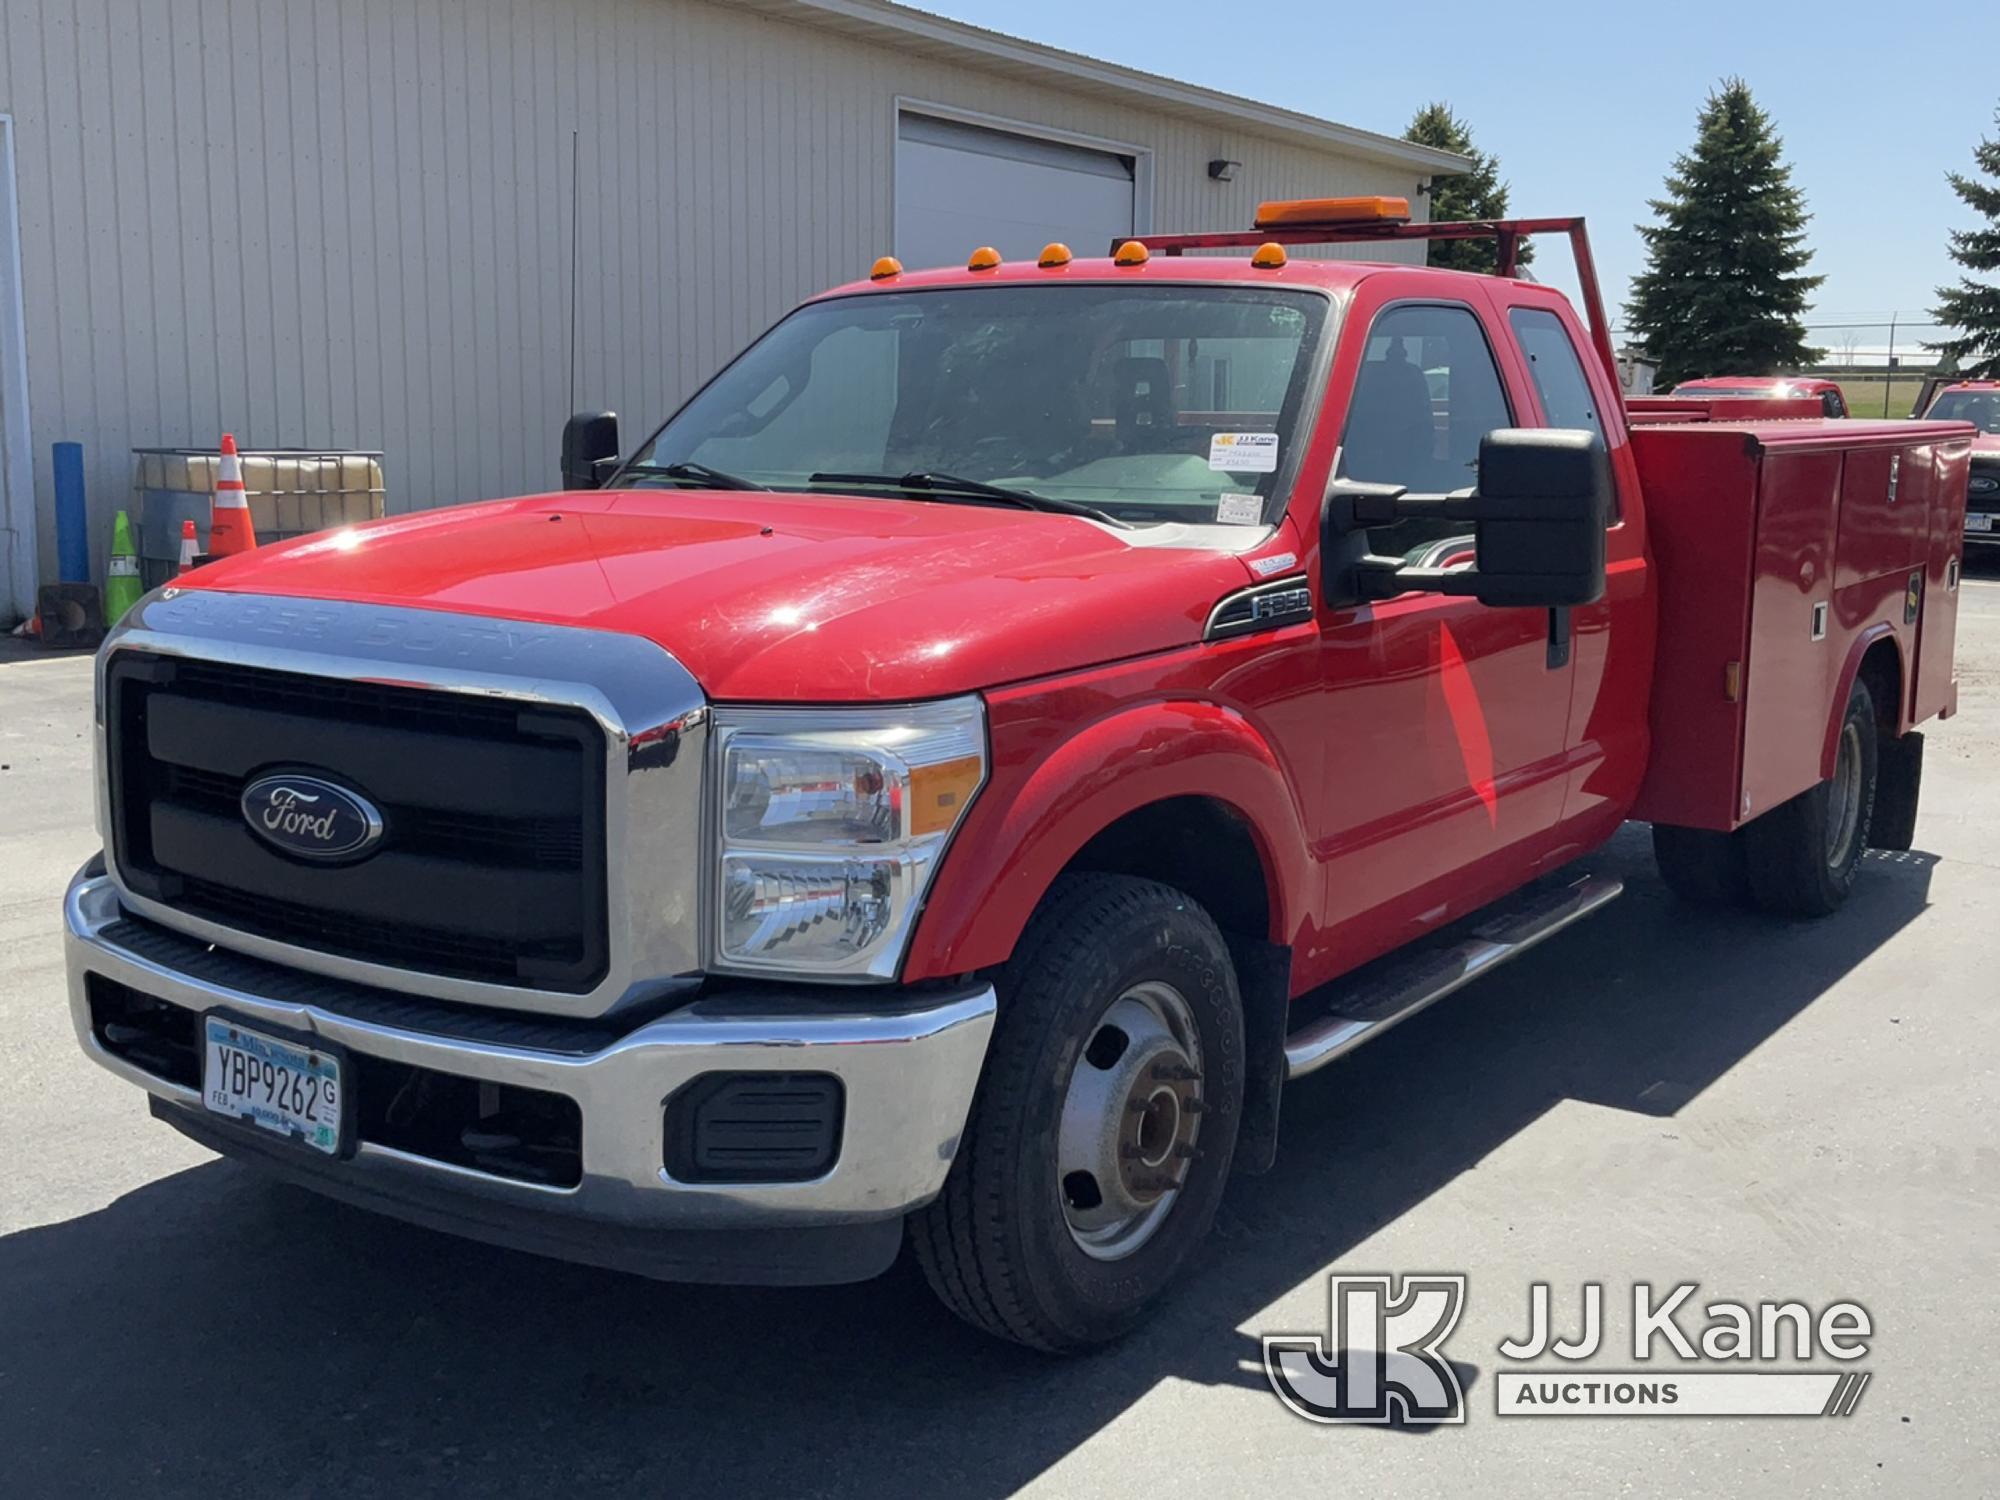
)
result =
(1792, 1110)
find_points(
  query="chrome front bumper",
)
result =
(908, 1063)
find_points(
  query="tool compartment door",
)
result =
(1700, 488)
(1796, 643)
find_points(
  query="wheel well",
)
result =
(1205, 848)
(1194, 844)
(1882, 669)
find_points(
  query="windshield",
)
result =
(1761, 392)
(1147, 404)
(1980, 408)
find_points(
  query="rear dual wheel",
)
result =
(1802, 857)
(1100, 1142)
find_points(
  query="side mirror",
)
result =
(1544, 499)
(589, 449)
(1537, 518)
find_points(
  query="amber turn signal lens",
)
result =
(1268, 256)
(1132, 253)
(938, 793)
(985, 258)
(884, 268)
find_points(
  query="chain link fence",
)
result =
(1881, 361)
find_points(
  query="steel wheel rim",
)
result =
(1130, 1119)
(1845, 798)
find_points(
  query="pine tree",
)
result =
(1724, 290)
(1475, 194)
(1973, 307)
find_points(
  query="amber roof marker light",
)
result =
(985, 258)
(884, 268)
(1132, 253)
(1287, 213)
(1055, 255)
(1268, 256)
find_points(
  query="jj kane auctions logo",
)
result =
(1381, 1359)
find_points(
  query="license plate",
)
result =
(1976, 522)
(283, 1088)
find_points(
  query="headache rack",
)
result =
(1354, 221)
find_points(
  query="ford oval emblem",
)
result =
(311, 818)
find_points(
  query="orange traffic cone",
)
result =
(229, 528)
(190, 547)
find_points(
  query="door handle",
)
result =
(1559, 637)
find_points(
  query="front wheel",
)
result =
(1803, 856)
(1100, 1143)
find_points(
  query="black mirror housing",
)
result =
(588, 438)
(1539, 517)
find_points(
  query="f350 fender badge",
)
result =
(311, 818)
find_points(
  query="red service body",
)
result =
(1787, 552)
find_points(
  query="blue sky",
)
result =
(1586, 104)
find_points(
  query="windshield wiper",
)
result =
(702, 474)
(945, 485)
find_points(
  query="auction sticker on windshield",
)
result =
(1243, 452)
(287, 1090)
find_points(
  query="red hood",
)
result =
(1987, 443)
(778, 597)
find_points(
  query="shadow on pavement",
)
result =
(211, 1333)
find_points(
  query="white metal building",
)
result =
(349, 223)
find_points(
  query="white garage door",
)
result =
(961, 186)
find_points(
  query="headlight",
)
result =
(831, 824)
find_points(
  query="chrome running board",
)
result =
(1374, 1006)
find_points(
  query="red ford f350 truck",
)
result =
(1826, 395)
(938, 782)
(1977, 402)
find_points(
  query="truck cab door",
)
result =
(1611, 641)
(1445, 719)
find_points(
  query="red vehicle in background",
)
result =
(946, 779)
(1832, 400)
(1977, 402)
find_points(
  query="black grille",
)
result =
(492, 862)
(1983, 491)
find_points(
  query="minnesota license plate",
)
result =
(283, 1088)
(1974, 521)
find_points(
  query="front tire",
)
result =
(1803, 856)
(1099, 1145)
